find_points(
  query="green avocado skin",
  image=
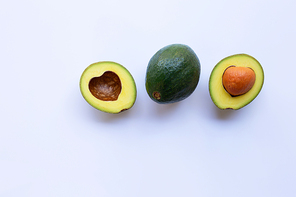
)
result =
(173, 72)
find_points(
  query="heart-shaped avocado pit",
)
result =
(108, 86)
(238, 80)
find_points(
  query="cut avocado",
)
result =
(108, 86)
(172, 74)
(236, 81)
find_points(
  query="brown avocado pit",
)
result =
(238, 80)
(106, 87)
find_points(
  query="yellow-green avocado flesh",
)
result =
(108, 86)
(221, 98)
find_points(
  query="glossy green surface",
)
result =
(172, 74)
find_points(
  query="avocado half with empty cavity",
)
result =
(236, 81)
(108, 86)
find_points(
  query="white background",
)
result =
(53, 143)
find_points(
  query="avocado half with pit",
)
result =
(108, 86)
(172, 74)
(236, 81)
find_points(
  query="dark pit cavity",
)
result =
(106, 87)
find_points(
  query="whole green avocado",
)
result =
(172, 74)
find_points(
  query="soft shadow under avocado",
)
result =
(224, 114)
